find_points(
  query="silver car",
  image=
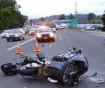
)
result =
(16, 34)
(5, 33)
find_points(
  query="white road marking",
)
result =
(68, 39)
(55, 36)
(50, 45)
(60, 36)
(20, 44)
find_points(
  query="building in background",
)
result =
(69, 23)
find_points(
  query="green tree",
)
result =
(71, 16)
(10, 17)
(7, 3)
(42, 19)
(91, 16)
(62, 17)
(103, 19)
(5, 17)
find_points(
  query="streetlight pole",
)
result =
(76, 12)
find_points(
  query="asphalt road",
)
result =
(92, 44)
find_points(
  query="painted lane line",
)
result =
(50, 45)
(68, 39)
(55, 36)
(20, 44)
(60, 36)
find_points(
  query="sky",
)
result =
(42, 8)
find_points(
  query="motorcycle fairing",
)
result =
(79, 58)
(57, 65)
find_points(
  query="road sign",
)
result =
(74, 21)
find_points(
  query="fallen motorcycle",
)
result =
(65, 68)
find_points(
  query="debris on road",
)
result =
(92, 75)
(94, 78)
(52, 81)
(97, 80)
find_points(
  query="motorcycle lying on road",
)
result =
(65, 68)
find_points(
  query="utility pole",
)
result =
(76, 13)
(76, 9)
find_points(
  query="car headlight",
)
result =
(38, 35)
(51, 34)
(16, 35)
(7, 35)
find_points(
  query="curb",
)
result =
(97, 32)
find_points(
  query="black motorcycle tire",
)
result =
(28, 71)
(66, 69)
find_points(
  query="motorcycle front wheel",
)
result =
(67, 75)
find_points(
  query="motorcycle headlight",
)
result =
(16, 35)
(51, 34)
(38, 35)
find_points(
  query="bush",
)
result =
(103, 28)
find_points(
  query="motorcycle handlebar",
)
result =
(74, 51)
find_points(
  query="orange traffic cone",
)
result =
(18, 49)
(36, 47)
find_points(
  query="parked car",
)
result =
(5, 33)
(16, 34)
(60, 27)
(43, 34)
(89, 28)
(96, 27)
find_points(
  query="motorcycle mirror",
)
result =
(70, 49)
(80, 51)
(74, 48)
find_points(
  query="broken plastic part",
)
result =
(97, 80)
